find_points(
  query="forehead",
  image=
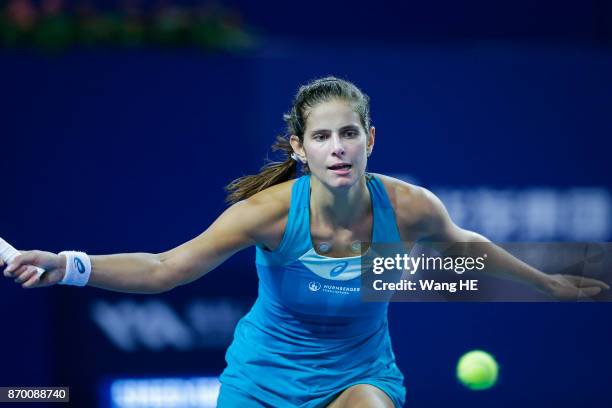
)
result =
(332, 115)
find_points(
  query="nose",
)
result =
(337, 146)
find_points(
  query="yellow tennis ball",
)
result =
(477, 370)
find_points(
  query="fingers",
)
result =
(584, 293)
(27, 276)
(7, 272)
(25, 258)
(583, 282)
(23, 273)
(594, 282)
(17, 274)
(14, 265)
(14, 272)
(24, 269)
(27, 273)
(32, 282)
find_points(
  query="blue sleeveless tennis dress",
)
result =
(308, 335)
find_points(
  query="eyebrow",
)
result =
(343, 128)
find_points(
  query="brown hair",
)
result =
(307, 97)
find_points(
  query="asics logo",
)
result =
(338, 269)
(79, 265)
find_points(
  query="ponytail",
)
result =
(274, 172)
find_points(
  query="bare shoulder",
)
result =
(415, 207)
(272, 200)
(258, 220)
(266, 213)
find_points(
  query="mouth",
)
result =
(340, 168)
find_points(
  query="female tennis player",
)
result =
(308, 340)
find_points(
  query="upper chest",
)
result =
(339, 242)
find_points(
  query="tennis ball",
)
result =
(477, 370)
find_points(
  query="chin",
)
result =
(336, 182)
(341, 185)
(342, 182)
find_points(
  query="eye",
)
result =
(319, 137)
(351, 133)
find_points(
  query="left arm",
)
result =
(429, 221)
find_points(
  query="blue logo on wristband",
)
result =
(79, 265)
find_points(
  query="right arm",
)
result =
(246, 223)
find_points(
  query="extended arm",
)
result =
(435, 226)
(240, 226)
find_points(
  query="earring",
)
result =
(297, 158)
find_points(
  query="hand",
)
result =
(571, 287)
(23, 271)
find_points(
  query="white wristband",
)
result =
(78, 268)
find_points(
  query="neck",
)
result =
(339, 207)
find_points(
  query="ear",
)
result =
(298, 148)
(371, 139)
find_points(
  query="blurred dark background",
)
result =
(121, 122)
